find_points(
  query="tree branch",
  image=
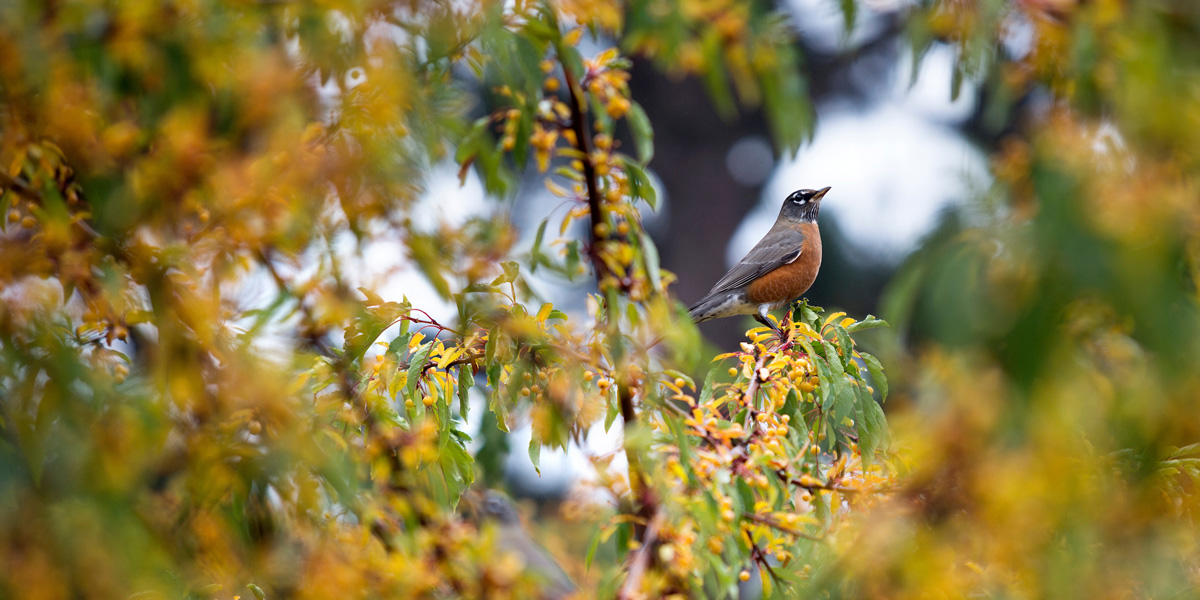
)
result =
(595, 211)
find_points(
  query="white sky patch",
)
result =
(894, 166)
(821, 23)
(929, 94)
(561, 470)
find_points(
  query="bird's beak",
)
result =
(821, 193)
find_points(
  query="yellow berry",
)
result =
(679, 382)
(427, 400)
(409, 403)
(744, 575)
(733, 372)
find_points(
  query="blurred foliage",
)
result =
(203, 396)
(1049, 414)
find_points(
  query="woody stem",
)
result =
(642, 502)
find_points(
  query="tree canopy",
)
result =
(203, 393)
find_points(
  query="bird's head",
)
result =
(803, 205)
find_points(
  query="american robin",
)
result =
(776, 271)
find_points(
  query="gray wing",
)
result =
(779, 247)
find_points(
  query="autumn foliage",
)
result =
(206, 394)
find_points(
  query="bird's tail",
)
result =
(707, 307)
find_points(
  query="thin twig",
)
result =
(781, 527)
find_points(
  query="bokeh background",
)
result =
(1014, 190)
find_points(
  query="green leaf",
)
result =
(878, 378)
(849, 10)
(613, 411)
(398, 345)
(536, 257)
(457, 468)
(535, 455)
(650, 256)
(843, 399)
(835, 361)
(706, 390)
(643, 133)
(465, 380)
(257, 591)
(591, 552)
(640, 185)
(868, 323)
(870, 423)
(714, 76)
(844, 342)
(416, 364)
(791, 406)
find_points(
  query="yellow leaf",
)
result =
(449, 357)
(607, 56)
(558, 190)
(544, 313)
(807, 331)
(835, 315)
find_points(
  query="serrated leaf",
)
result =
(878, 378)
(844, 342)
(871, 425)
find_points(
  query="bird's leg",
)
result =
(791, 310)
(761, 317)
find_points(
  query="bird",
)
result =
(778, 270)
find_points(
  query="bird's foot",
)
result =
(780, 334)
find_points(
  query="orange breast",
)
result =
(791, 280)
